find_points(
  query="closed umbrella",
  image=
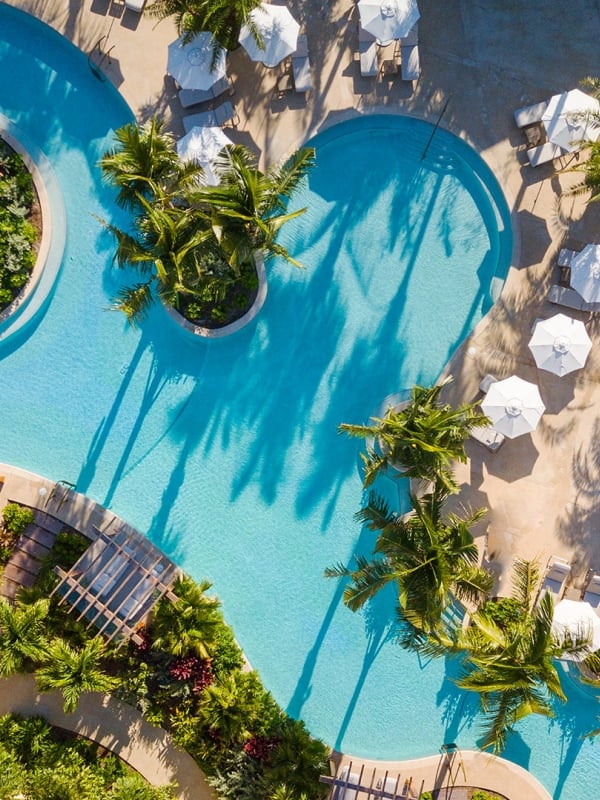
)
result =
(278, 31)
(514, 406)
(191, 65)
(203, 145)
(388, 19)
(560, 344)
(567, 119)
(585, 273)
(575, 620)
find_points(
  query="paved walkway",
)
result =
(116, 726)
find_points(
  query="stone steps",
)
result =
(32, 547)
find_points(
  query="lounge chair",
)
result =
(301, 66)
(135, 5)
(591, 592)
(215, 118)
(412, 37)
(192, 97)
(410, 65)
(565, 257)
(486, 382)
(367, 48)
(555, 578)
(529, 115)
(488, 437)
(543, 154)
(567, 297)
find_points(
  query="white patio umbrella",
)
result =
(575, 619)
(190, 64)
(514, 406)
(585, 273)
(203, 144)
(567, 119)
(560, 344)
(388, 19)
(278, 30)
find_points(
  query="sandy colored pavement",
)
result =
(484, 60)
(116, 726)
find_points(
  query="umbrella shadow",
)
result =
(515, 460)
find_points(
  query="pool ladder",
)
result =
(104, 56)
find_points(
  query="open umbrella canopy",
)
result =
(575, 620)
(388, 19)
(567, 119)
(560, 344)
(203, 145)
(514, 406)
(585, 273)
(191, 64)
(278, 30)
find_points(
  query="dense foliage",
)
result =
(195, 245)
(188, 675)
(38, 762)
(17, 234)
(15, 518)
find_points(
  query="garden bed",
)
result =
(20, 224)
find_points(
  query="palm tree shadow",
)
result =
(381, 627)
(459, 708)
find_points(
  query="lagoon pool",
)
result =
(226, 453)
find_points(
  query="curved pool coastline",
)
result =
(226, 451)
(29, 304)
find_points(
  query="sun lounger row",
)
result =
(217, 117)
(192, 97)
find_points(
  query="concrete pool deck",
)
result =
(485, 60)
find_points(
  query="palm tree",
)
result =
(510, 657)
(224, 18)
(74, 671)
(22, 634)
(191, 240)
(190, 624)
(230, 706)
(169, 251)
(422, 438)
(145, 164)
(248, 207)
(428, 558)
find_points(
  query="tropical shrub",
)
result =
(17, 234)
(41, 763)
(15, 518)
(481, 794)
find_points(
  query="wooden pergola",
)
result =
(116, 582)
(367, 784)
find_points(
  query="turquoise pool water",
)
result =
(226, 452)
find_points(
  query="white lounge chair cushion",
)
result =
(565, 257)
(369, 65)
(488, 437)
(528, 115)
(565, 296)
(543, 153)
(410, 65)
(486, 382)
(135, 5)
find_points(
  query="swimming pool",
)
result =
(226, 452)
